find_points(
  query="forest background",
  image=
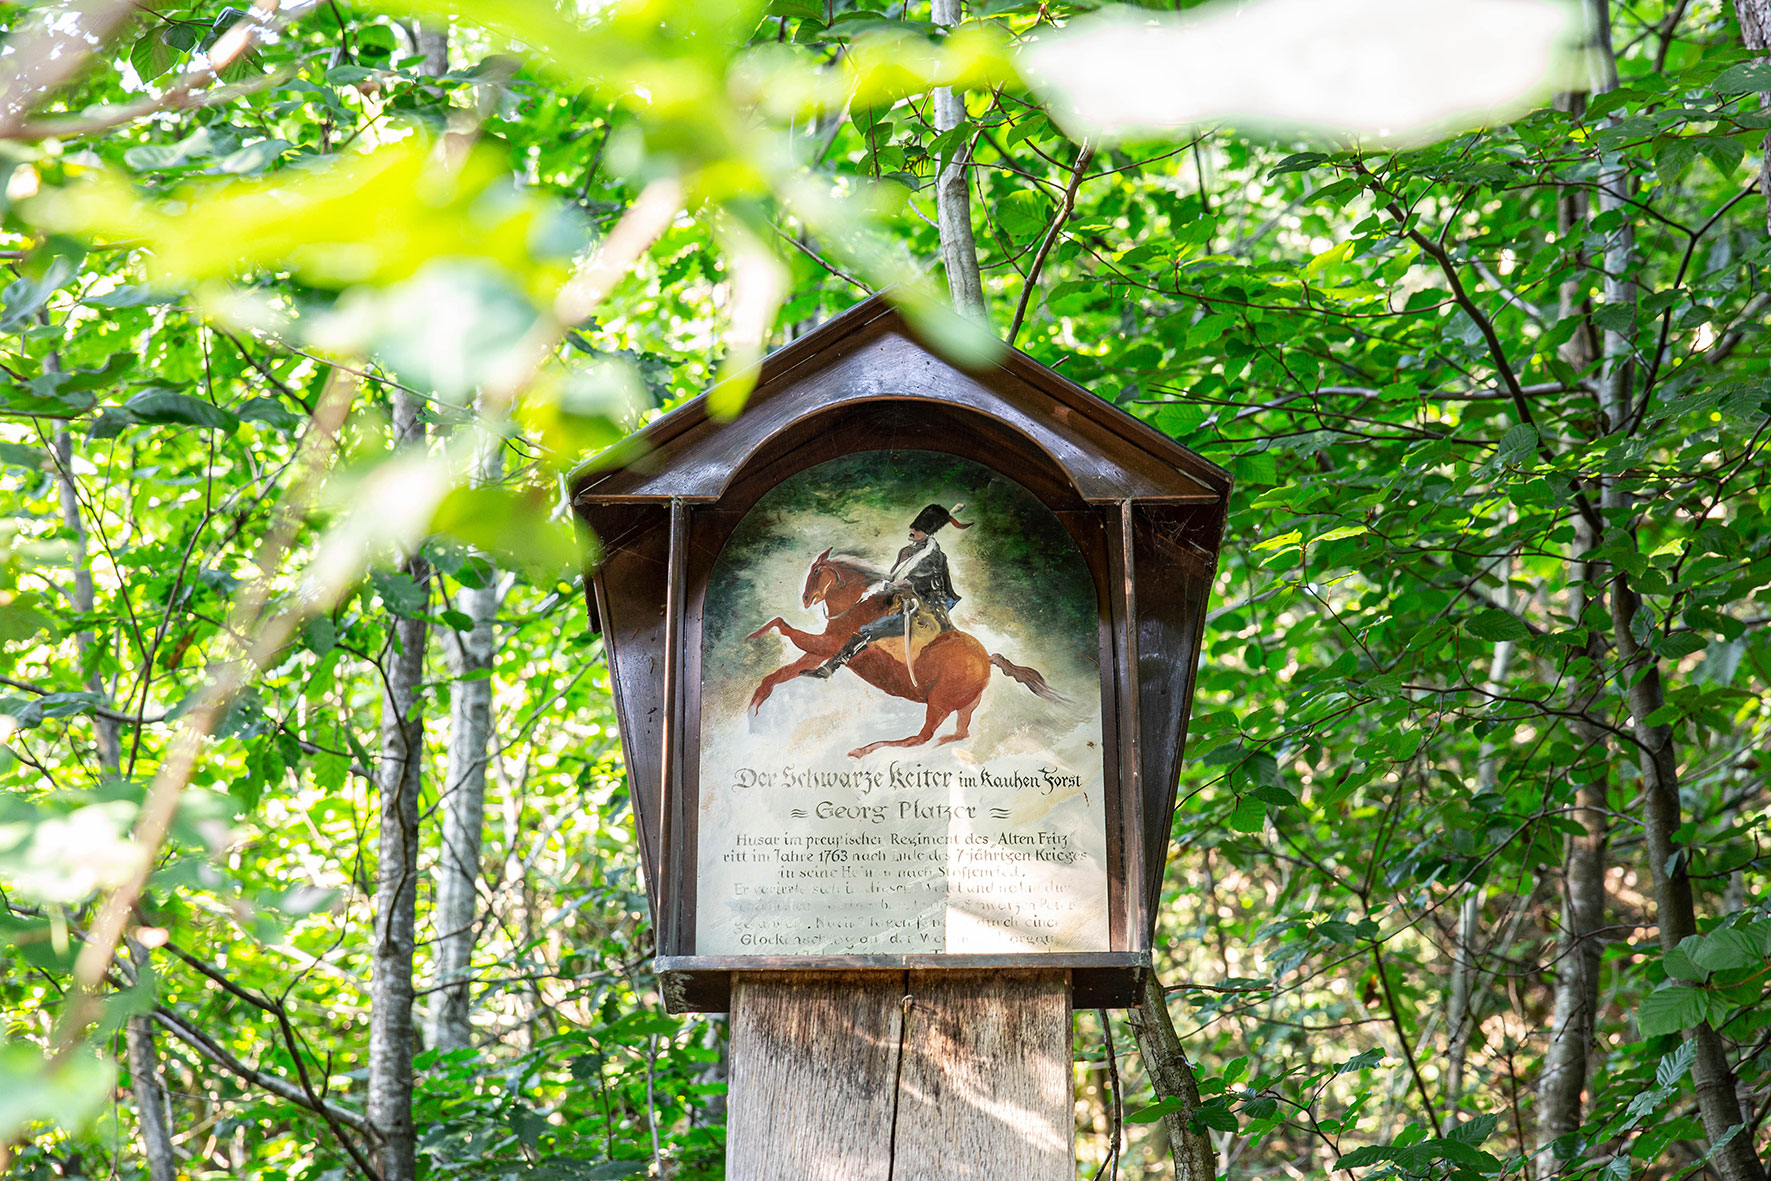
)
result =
(315, 851)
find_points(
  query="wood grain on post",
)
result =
(886, 1076)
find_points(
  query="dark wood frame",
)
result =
(1132, 499)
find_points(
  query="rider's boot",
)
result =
(844, 654)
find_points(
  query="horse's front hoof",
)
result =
(763, 630)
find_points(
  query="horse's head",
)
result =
(821, 576)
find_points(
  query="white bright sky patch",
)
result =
(1397, 70)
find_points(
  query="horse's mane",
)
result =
(859, 566)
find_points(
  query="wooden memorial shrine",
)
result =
(902, 657)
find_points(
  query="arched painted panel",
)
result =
(951, 804)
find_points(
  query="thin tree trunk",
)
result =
(1669, 862)
(1755, 32)
(464, 799)
(432, 40)
(153, 1114)
(953, 197)
(1581, 944)
(1460, 1009)
(110, 747)
(150, 1101)
(1171, 1075)
(399, 776)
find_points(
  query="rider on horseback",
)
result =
(918, 581)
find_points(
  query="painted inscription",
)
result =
(901, 743)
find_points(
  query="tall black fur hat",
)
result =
(933, 516)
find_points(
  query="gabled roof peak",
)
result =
(870, 357)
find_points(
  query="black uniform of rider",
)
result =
(918, 579)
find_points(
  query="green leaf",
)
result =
(1260, 468)
(1744, 78)
(1672, 1008)
(159, 405)
(1673, 1066)
(151, 56)
(68, 1094)
(399, 593)
(1724, 949)
(1155, 1111)
(1370, 1154)
(1284, 539)
(1250, 815)
(1217, 1115)
(91, 379)
(1223, 756)
(1475, 1129)
(1297, 162)
(1493, 624)
(1259, 1106)
(44, 397)
(1364, 1060)
(200, 145)
(25, 456)
(1615, 317)
(127, 296)
(1462, 1154)
(1332, 257)
(1518, 445)
(1678, 964)
(515, 524)
(270, 412)
(25, 296)
(254, 158)
(1679, 645)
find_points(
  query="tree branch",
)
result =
(1066, 206)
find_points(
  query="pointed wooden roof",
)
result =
(870, 353)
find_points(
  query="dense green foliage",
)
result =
(1482, 398)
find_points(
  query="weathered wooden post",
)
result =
(903, 658)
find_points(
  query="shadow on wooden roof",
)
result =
(871, 353)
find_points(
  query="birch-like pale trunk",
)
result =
(1580, 944)
(464, 799)
(432, 41)
(153, 1113)
(1755, 33)
(106, 730)
(153, 1117)
(1460, 1008)
(953, 195)
(399, 774)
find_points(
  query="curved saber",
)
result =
(911, 603)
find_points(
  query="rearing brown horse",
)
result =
(950, 671)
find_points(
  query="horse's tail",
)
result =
(1029, 677)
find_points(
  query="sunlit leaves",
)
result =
(518, 526)
(32, 1089)
(369, 219)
